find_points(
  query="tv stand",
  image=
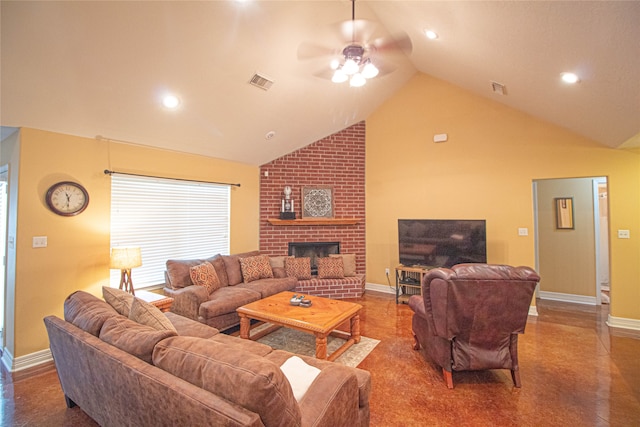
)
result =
(408, 281)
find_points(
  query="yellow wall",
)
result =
(77, 256)
(485, 170)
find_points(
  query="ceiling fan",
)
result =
(361, 58)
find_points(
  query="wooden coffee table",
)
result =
(321, 320)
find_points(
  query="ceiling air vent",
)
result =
(498, 88)
(261, 81)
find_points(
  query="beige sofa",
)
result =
(218, 308)
(121, 372)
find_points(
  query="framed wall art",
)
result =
(317, 202)
(564, 212)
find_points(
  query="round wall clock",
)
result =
(67, 198)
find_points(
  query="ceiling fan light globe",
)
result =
(335, 64)
(369, 71)
(339, 77)
(357, 80)
(350, 67)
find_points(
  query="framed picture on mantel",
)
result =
(317, 202)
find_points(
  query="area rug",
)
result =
(302, 343)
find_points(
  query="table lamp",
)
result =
(125, 259)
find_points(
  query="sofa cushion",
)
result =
(178, 271)
(87, 312)
(232, 266)
(227, 300)
(349, 262)
(244, 379)
(277, 266)
(238, 345)
(190, 328)
(132, 337)
(205, 275)
(118, 299)
(268, 287)
(255, 268)
(300, 268)
(150, 315)
(330, 268)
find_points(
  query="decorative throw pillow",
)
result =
(300, 268)
(255, 267)
(148, 314)
(118, 299)
(349, 262)
(232, 266)
(221, 269)
(330, 268)
(205, 275)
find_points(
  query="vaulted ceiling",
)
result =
(99, 69)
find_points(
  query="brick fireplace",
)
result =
(337, 161)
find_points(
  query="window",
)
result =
(167, 219)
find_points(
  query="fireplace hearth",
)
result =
(313, 250)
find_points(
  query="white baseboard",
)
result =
(379, 288)
(623, 323)
(557, 296)
(27, 361)
(533, 310)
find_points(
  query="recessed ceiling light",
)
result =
(171, 101)
(270, 135)
(570, 78)
(431, 34)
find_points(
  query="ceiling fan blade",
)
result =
(308, 50)
(325, 73)
(398, 41)
(359, 30)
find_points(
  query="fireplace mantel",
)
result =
(314, 221)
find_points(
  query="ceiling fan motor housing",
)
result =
(354, 51)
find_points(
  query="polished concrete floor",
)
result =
(575, 371)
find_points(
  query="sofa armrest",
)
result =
(332, 399)
(186, 301)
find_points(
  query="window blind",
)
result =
(167, 219)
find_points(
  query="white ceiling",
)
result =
(100, 68)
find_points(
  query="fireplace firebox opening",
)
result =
(313, 250)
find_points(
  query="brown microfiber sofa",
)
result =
(218, 309)
(121, 372)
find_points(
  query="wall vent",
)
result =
(499, 88)
(262, 82)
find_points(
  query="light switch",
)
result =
(40, 241)
(523, 231)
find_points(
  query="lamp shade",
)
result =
(125, 258)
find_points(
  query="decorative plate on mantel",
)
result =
(317, 202)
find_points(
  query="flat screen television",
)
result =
(441, 242)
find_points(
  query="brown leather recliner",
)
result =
(468, 317)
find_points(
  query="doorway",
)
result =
(3, 244)
(573, 261)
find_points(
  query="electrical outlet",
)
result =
(39, 242)
(386, 271)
